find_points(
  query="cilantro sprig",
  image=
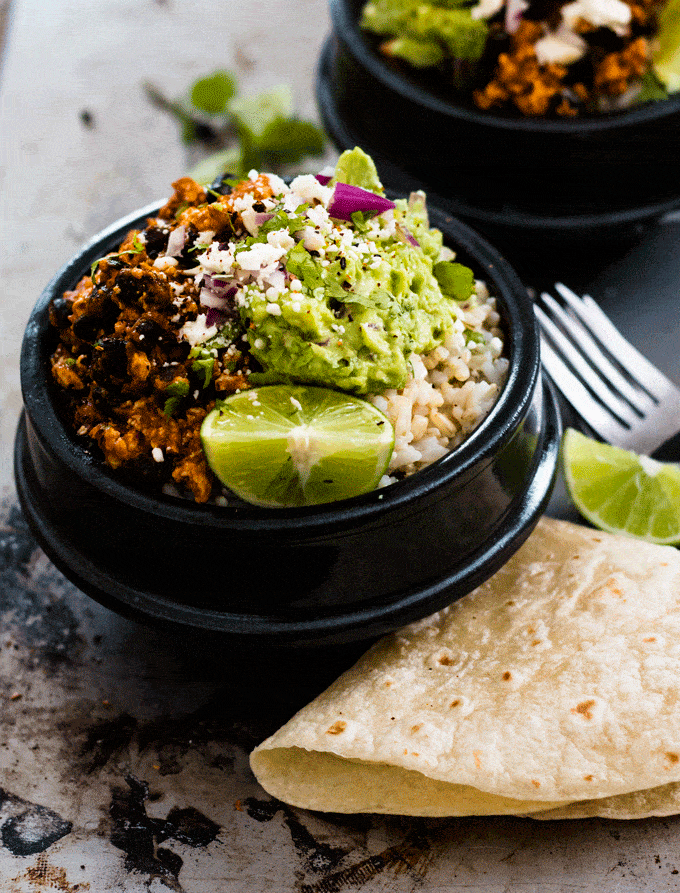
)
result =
(261, 132)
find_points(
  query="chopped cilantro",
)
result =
(177, 390)
(204, 367)
(137, 248)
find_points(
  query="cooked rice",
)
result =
(451, 391)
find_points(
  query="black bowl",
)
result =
(331, 574)
(523, 182)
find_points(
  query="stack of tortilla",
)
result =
(553, 690)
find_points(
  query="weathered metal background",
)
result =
(123, 750)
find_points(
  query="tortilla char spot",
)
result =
(587, 777)
(478, 762)
(455, 703)
(650, 639)
(337, 728)
(535, 783)
(531, 631)
(507, 675)
(584, 709)
(672, 757)
(445, 660)
(416, 728)
(387, 683)
(612, 587)
(536, 642)
(510, 603)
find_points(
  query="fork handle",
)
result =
(668, 451)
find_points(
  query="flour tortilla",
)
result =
(552, 690)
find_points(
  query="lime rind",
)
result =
(622, 492)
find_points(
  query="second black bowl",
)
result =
(522, 181)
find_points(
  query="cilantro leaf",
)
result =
(204, 367)
(212, 94)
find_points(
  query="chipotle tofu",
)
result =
(123, 363)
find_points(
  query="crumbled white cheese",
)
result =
(308, 189)
(196, 331)
(163, 262)
(485, 9)
(157, 454)
(281, 238)
(259, 256)
(561, 47)
(612, 14)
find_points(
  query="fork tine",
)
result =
(638, 366)
(592, 412)
(589, 375)
(591, 349)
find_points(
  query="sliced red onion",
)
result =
(261, 217)
(417, 200)
(213, 317)
(347, 200)
(324, 179)
(514, 9)
(209, 298)
(219, 285)
(176, 241)
(405, 235)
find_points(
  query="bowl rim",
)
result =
(346, 26)
(341, 134)
(476, 451)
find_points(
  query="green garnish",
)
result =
(137, 248)
(455, 280)
(260, 132)
(177, 390)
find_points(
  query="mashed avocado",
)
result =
(341, 302)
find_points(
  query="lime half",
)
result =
(291, 445)
(621, 491)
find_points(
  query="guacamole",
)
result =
(339, 302)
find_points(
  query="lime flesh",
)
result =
(666, 51)
(621, 491)
(292, 445)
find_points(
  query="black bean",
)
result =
(60, 311)
(220, 185)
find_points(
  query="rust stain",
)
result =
(43, 876)
(412, 857)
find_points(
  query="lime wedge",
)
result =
(622, 492)
(291, 445)
(666, 51)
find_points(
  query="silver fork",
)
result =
(625, 399)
